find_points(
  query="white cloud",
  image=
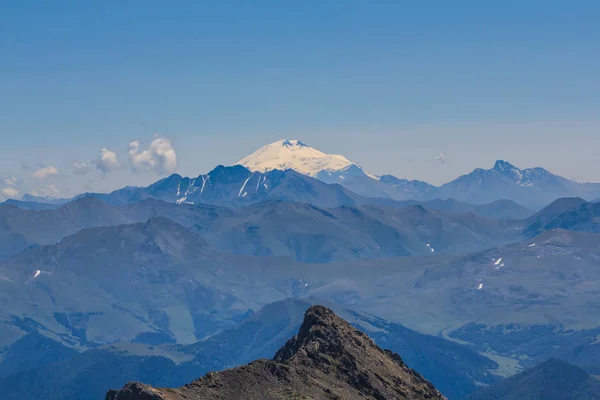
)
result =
(45, 172)
(9, 193)
(82, 167)
(9, 180)
(160, 156)
(107, 161)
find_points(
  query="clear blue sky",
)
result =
(389, 84)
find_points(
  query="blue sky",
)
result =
(388, 84)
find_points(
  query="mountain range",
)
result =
(157, 242)
(182, 286)
(310, 233)
(185, 276)
(290, 170)
(532, 187)
(298, 230)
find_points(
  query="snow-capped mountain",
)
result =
(293, 171)
(532, 187)
(293, 154)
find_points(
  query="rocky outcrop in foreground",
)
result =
(328, 359)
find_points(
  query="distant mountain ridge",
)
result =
(532, 187)
(298, 230)
(237, 186)
(292, 170)
(574, 214)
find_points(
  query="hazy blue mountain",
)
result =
(237, 186)
(551, 380)
(21, 228)
(572, 214)
(535, 223)
(549, 280)
(298, 230)
(535, 343)
(311, 234)
(533, 187)
(538, 271)
(70, 289)
(388, 186)
(30, 205)
(31, 352)
(452, 367)
(499, 209)
(120, 283)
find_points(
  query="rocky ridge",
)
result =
(327, 359)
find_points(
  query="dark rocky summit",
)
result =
(328, 359)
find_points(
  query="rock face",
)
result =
(328, 359)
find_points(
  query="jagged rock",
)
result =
(328, 359)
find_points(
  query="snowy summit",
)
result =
(293, 154)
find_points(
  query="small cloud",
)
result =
(10, 193)
(159, 157)
(45, 172)
(25, 167)
(9, 180)
(107, 161)
(82, 167)
(39, 165)
(441, 158)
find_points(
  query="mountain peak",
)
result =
(294, 154)
(319, 322)
(327, 359)
(293, 143)
(504, 166)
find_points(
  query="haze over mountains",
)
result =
(470, 282)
